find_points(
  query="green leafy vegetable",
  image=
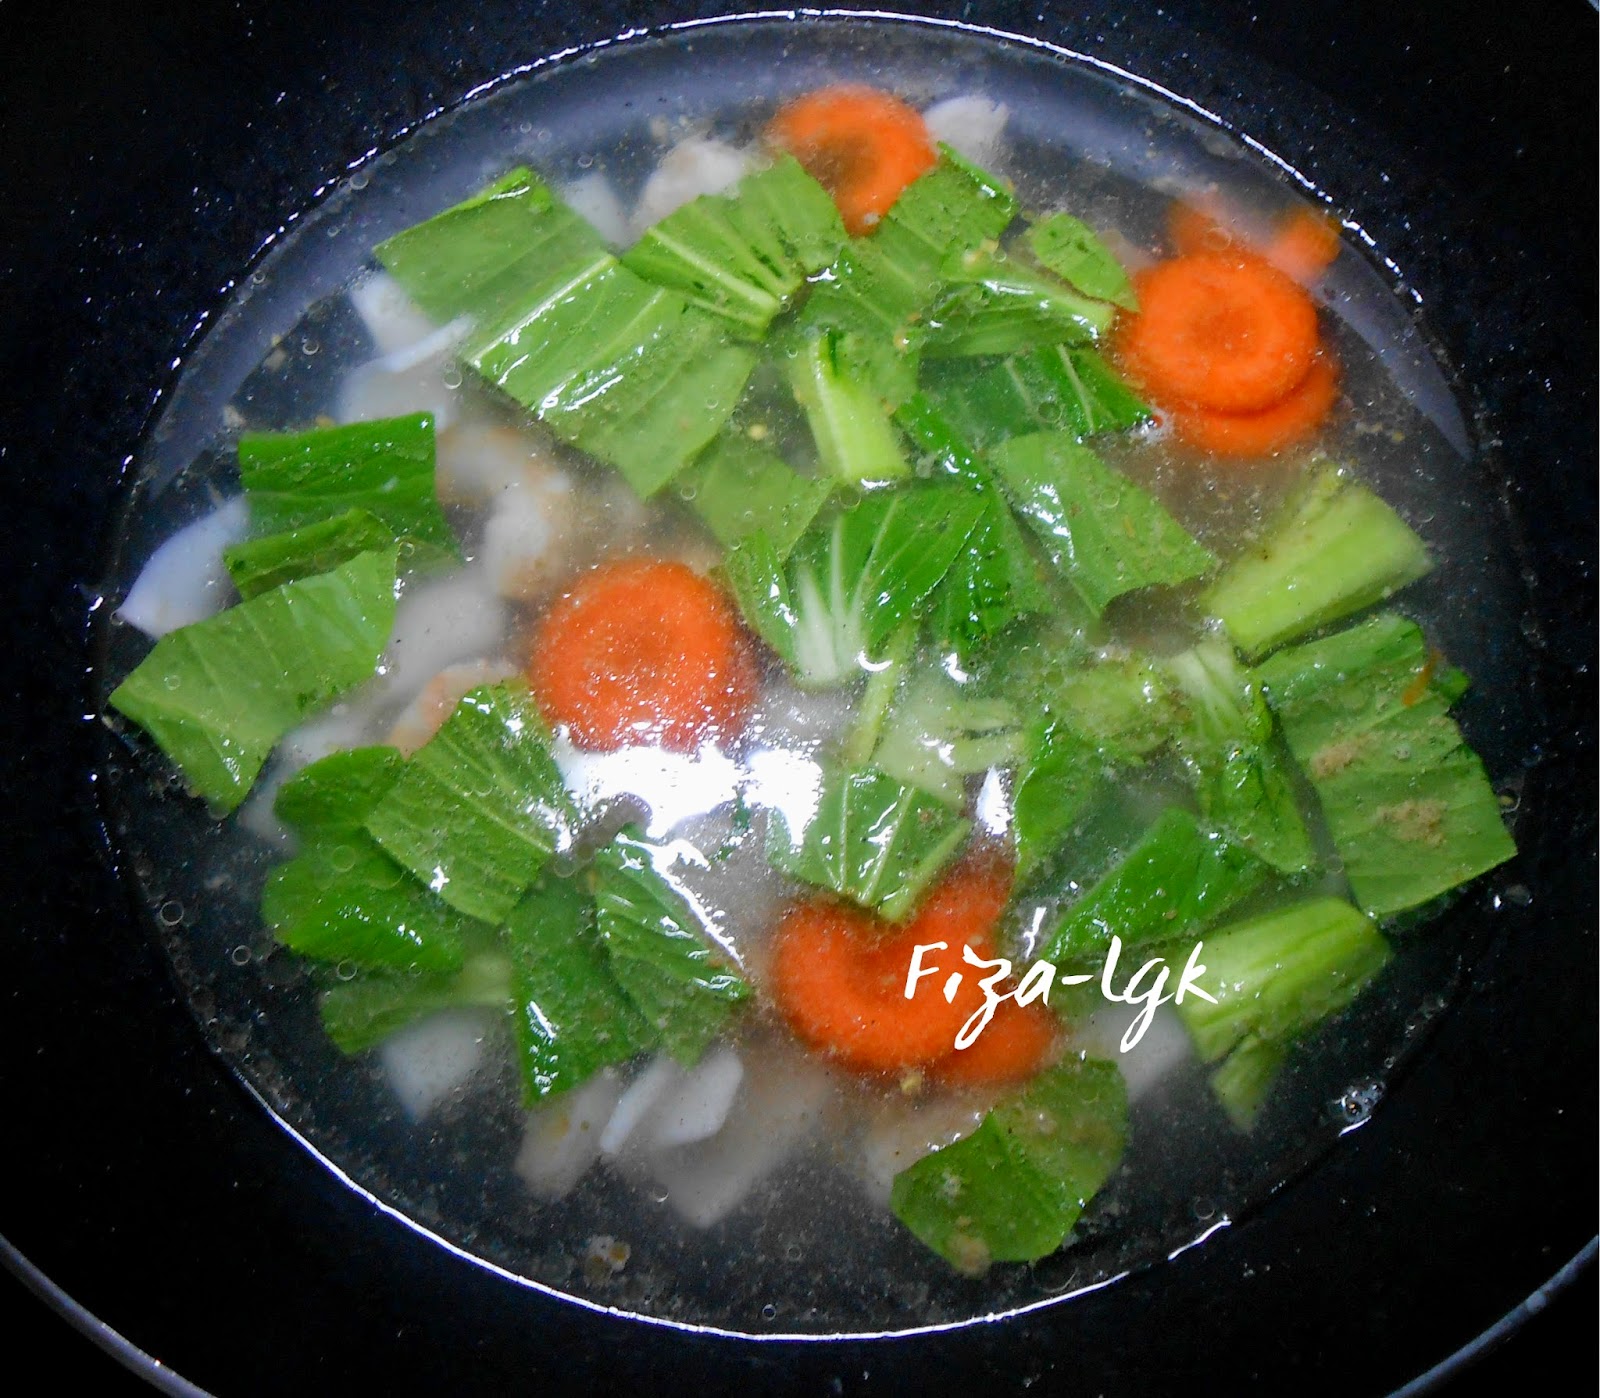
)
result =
(682, 984)
(1276, 976)
(342, 898)
(994, 580)
(384, 468)
(1335, 549)
(936, 735)
(570, 1016)
(259, 565)
(1177, 880)
(362, 1013)
(1061, 775)
(1243, 1079)
(743, 256)
(1408, 804)
(1014, 1188)
(218, 695)
(995, 304)
(1228, 743)
(854, 578)
(1103, 532)
(740, 488)
(480, 807)
(1070, 249)
(871, 840)
(856, 441)
(1060, 388)
(480, 257)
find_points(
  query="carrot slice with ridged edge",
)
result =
(1291, 420)
(863, 145)
(839, 974)
(642, 651)
(1222, 331)
(1304, 245)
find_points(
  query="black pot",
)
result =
(146, 158)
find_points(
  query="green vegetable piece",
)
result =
(218, 695)
(259, 565)
(630, 373)
(1070, 249)
(1176, 881)
(937, 734)
(362, 1013)
(855, 438)
(1061, 776)
(1335, 549)
(995, 304)
(740, 488)
(1243, 1079)
(1407, 802)
(743, 256)
(1060, 388)
(342, 899)
(853, 580)
(480, 807)
(871, 839)
(1014, 1188)
(1276, 976)
(1229, 746)
(482, 255)
(1105, 534)
(877, 291)
(994, 580)
(571, 1017)
(682, 981)
(385, 468)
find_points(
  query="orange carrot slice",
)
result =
(862, 145)
(839, 974)
(1191, 227)
(1017, 1043)
(1292, 419)
(643, 652)
(1222, 331)
(1304, 246)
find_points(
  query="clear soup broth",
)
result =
(776, 1220)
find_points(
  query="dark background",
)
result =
(121, 197)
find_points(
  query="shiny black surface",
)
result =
(145, 156)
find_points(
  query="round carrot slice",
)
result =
(1287, 422)
(643, 652)
(1304, 246)
(1224, 331)
(862, 145)
(839, 974)
(1193, 228)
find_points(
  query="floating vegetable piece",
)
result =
(385, 469)
(1105, 534)
(341, 898)
(1072, 250)
(1012, 1190)
(1059, 388)
(683, 984)
(864, 145)
(1335, 549)
(743, 256)
(259, 565)
(1407, 803)
(1275, 976)
(570, 1017)
(870, 839)
(739, 487)
(480, 807)
(641, 651)
(1176, 881)
(219, 694)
